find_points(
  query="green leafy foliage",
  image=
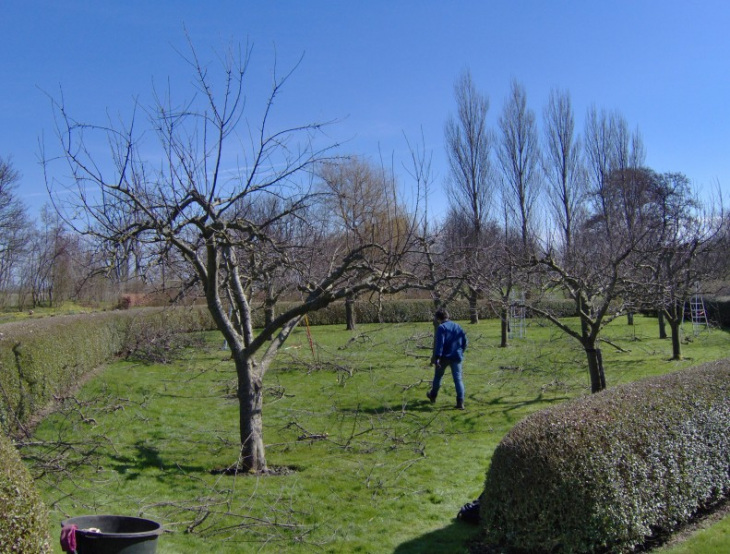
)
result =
(23, 516)
(609, 470)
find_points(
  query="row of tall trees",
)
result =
(612, 235)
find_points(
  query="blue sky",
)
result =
(384, 68)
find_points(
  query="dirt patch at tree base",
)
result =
(272, 471)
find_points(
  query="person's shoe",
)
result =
(430, 396)
(459, 403)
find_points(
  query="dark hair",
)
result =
(441, 314)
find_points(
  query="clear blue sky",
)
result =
(385, 67)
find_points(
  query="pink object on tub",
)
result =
(68, 538)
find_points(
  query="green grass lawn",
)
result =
(368, 464)
(66, 308)
(713, 539)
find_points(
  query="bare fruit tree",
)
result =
(684, 252)
(187, 194)
(600, 275)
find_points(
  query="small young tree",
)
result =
(437, 268)
(185, 197)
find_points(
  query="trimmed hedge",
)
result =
(23, 516)
(718, 310)
(605, 472)
(414, 311)
(42, 358)
(393, 311)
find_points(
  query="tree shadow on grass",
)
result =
(452, 539)
(447, 404)
(412, 406)
(508, 406)
(147, 457)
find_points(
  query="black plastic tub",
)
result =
(116, 534)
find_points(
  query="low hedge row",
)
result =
(718, 310)
(400, 311)
(392, 311)
(41, 358)
(604, 472)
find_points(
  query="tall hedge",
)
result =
(604, 472)
(43, 357)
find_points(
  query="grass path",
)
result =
(367, 463)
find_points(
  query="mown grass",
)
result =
(66, 308)
(367, 463)
(708, 539)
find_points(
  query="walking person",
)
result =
(449, 345)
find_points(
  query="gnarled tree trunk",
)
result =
(473, 306)
(675, 326)
(350, 313)
(595, 367)
(250, 401)
(662, 324)
(504, 328)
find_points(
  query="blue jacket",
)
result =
(451, 341)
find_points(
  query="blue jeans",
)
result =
(455, 373)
